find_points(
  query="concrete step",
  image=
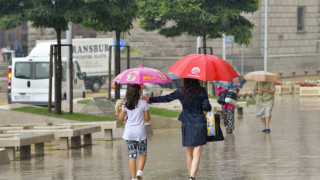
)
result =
(3, 84)
(3, 98)
(4, 159)
(4, 66)
(3, 73)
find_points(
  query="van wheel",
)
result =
(96, 86)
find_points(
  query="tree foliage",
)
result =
(43, 14)
(110, 16)
(206, 18)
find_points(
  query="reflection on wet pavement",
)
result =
(290, 151)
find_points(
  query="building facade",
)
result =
(293, 41)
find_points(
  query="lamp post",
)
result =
(224, 46)
(265, 35)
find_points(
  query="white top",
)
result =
(135, 128)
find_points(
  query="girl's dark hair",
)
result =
(190, 89)
(132, 96)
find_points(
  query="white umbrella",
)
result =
(261, 76)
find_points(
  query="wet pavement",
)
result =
(291, 151)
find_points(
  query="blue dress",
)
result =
(194, 122)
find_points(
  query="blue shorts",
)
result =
(133, 146)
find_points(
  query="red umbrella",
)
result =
(203, 67)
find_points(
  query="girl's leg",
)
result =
(189, 158)
(142, 147)
(132, 167)
(195, 161)
(132, 147)
(142, 162)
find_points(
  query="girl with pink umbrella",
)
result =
(137, 112)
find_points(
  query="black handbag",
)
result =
(222, 97)
(218, 132)
(231, 98)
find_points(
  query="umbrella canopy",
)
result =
(262, 76)
(203, 67)
(236, 83)
(141, 75)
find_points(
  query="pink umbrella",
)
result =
(141, 75)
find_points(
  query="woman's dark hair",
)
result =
(132, 96)
(190, 89)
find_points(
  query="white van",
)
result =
(28, 81)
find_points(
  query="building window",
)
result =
(24, 26)
(92, 35)
(300, 19)
(11, 37)
(78, 36)
(24, 37)
(79, 28)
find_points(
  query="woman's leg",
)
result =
(189, 158)
(264, 122)
(267, 122)
(195, 161)
(225, 117)
(231, 119)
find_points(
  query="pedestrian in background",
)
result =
(3, 55)
(6, 54)
(137, 111)
(194, 101)
(17, 48)
(264, 102)
(227, 111)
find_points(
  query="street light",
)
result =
(265, 35)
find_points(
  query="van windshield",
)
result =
(22, 70)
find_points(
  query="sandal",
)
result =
(192, 178)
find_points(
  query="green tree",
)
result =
(110, 16)
(43, 14)
(205, 18)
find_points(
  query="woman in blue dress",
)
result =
(194, 101)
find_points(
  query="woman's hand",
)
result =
(268, 91)
(146, 98)
(258, 92)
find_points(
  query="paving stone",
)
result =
(290, 151)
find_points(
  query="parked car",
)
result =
(149, 89)
(172, 85)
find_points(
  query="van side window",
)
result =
(41, 70)
(22, 70)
